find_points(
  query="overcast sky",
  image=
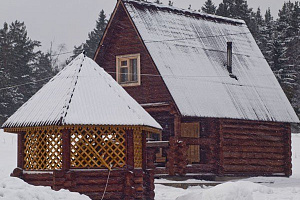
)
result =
(69, 21)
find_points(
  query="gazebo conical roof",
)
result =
(81, 94)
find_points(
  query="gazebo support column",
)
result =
(21, 150)
(66, 149)
(18, 172)
(128, 189)
(134, 178)
(63, 178)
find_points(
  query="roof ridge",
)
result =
(191, 12)
(67, 102)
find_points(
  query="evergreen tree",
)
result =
(18, 63)
(91, 44)
(171, 3)
(158, 2)
(237, 9)
(209, 7)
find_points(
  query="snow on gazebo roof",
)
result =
(189, 51)
(81, 94)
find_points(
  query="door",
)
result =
(192, 130)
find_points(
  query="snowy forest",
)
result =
(24, 69)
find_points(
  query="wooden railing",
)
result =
(176, 156)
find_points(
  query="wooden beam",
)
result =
(21, 149)
(66, 159)
(130, 149)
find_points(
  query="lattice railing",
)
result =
(98, 147)
(42, 149)
(138, 148)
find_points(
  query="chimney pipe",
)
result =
(229, 57)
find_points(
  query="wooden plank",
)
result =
(130, 149)
(200, 168)
(260, 162)
(253, 149)
(21, 150)
(252, 142)
(66, 159)
(288, 166)
(246, 155)
(252, 137)
(200, 141)
(253, 169)
(243, 131)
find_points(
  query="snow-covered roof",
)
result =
(190, 51)
(82, 93)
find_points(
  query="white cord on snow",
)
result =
(109, 170)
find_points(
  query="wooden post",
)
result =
(66, 149)
(21, 150)
(177, 126)
(130, 149)
(288, 166)
(221, 153)
(129, 184)
(144, 149)
(171, 156)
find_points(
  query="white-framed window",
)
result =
(128, 70)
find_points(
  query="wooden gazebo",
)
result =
(84, 133)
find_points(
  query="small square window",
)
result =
(128, 70)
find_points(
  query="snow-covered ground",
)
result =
(258, 188)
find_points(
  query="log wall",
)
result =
(123, 39)
(122, 184)
(255, 148)
(207, 142)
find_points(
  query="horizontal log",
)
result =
(157, 144)
(98, 188)
(259, 143)
(252, 127)
(199, 141)
(99, 181)
(244, 155)
(38, 177)
(108, 195)
(40, 183)
(252, 137)
(243, 131)
(253, 123)
(161, 170)
(198, 168)
(252, 168)
(260, 162)
(100, 173)
(253, 149)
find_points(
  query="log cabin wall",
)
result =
(250, 148)
(122, 39)
(203, 149)
(122, 184)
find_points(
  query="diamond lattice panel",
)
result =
(98, 147)
(43, 149)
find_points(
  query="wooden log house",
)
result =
(82, 131)
(204, 79)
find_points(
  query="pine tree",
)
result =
(158, 2)
(171, 3)
(91, 44)
(209, 7)
(17, 65)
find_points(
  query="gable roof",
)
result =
(82, 93)
(189, 50)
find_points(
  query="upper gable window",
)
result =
(128, 70)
